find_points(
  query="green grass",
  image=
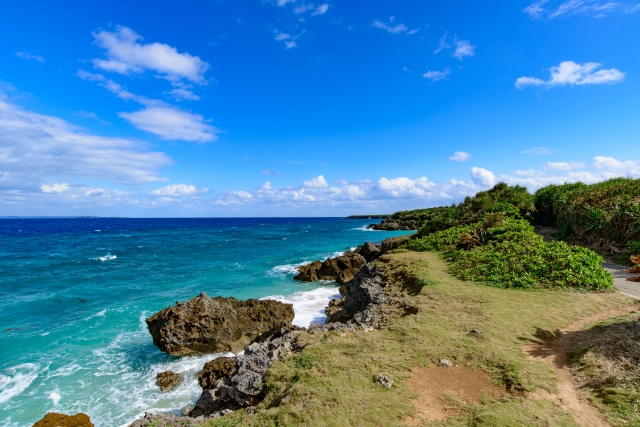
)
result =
(338, 388)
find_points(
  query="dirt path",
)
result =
(554, 352)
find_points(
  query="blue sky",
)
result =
(294, 108)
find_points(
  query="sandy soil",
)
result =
(554, 352)
(435, 383)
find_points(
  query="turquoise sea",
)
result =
(74, 294)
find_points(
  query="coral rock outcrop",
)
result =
(215, 325)
(53, 419)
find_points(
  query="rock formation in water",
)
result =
(168, 380)
(53, 419)
(215, 325)
(340, 269)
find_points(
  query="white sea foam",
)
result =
(107, 257)
(292, 269)
(17, 379)
(55, 397)
(309, 305)
(363, 228)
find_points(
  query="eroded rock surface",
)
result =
(168, 380)
(393, 243)
(216, 369)
(340, 269)
(53, 419)
(215, 325)
(361, 306)
(241, 386)
(393, 224)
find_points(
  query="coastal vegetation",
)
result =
(480, 329)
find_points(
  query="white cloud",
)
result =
(290, 44)
(317, 182)
(435, 76)
(460, 156)
(177, 190)
(158, 117)
(29, 55)
(609, 163)
(172, 123)
(463, 48)
(55, 188)
(183, 94)
(595, 8)
(539, 151)
(393, 29)
(399, 187)
(92, 115)
(321, 10)
(36, 147)
(126, 55)
(483, 177)
(571, 73)
(281, 36)
(565, 166)
(270, 172)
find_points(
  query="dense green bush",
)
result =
(608, 210)
(506, 251)
(513, 201)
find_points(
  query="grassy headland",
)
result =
(537, 289)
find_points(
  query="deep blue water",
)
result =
(74, 294)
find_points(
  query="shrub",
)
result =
(607, 210)
(507, 252)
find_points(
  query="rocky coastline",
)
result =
(395, 224)
(260, 333)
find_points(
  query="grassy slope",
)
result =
(333, 385)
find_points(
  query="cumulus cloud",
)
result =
(460, 156)
(317, 182)
(177, 190)
(126, 54)
(571, 73)
(55, 188)
(564, 166)
(483, 177)
(35, 147)
(172, 123)
(435, 76)
(29, 56)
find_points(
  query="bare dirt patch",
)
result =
(553, 349)
(443, 389)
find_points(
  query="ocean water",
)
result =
(74, 294)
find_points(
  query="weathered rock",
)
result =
(222, 367)
(394, 224)
(365, 289)
(384, 381)
(446, 363)
(169, 420)
(168, 380)
(215, 325)
(340, 269)
(309, 272)
(369, 251)
(243, 388)
(53, 419)
(393, 243)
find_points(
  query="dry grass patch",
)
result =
(606, 363)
